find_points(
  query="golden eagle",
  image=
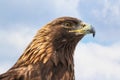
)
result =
(50, 54)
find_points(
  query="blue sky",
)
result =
(95, 58)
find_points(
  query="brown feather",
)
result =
(49, 56)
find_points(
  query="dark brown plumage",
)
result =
(50, 54)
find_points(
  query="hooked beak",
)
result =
(86, 29)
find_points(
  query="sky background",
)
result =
(95, 58)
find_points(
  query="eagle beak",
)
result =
(84, 29)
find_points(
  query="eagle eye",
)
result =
(67, 24)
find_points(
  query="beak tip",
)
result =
(93, 34)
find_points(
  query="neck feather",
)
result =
(45, 46)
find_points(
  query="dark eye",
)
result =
(67, 24)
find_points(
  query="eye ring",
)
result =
(67, 24)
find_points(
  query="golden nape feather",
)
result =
(49, 56)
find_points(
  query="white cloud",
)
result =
(17, 36)
(95, 60)
(110, 11)
(36, 11)
(67, 7)
(4, 67)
